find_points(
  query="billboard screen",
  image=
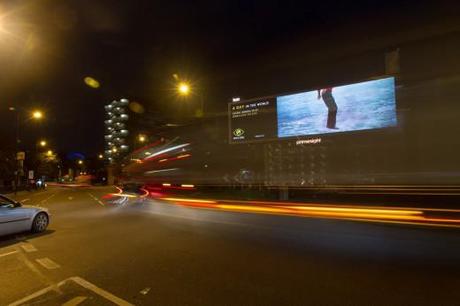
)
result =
(254, 120)
(361, 106)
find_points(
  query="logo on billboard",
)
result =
(238, 132)
(308, 141)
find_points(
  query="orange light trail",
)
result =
(182, 200)
(358, 210)
(369, 214)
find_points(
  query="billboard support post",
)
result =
(283, 193)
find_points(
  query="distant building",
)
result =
(116, 130)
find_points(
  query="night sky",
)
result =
(134, 47)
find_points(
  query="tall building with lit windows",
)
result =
(116, 130)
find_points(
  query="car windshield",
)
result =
(6, 202)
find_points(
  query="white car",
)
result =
(15, 217)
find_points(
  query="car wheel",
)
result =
(40, 223)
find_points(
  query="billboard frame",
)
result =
(328, 135)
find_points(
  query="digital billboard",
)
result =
(253, 120)
(361, 106)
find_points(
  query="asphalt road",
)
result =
(165, 254)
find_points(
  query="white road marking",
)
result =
(96, 199)
(92, 196)
(25, 200)
(32, 296)
(45, 280)
(79, 281)
(28, 247)
(48, 263)
(45, 200)
(9, 253)
(75, 301)
(101, 292)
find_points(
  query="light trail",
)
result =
(166, 151)
(189, 200)
(358, 210)
(161, 170)
(418, 216)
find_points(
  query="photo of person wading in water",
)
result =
(329, 100)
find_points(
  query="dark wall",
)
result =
(424, 149)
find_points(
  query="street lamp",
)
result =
(49, 153)
(42, 143)
(80, 162)
(183, 88)
(141, 138)
(37, 115)
(101, 156)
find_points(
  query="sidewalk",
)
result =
(23, 193)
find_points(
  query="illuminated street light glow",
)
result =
(43, 143)
(37, 114)
(183, 88)
(101, 156)
(141, 138)
(49, 153)
(80, 162)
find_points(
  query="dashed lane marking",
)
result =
(45, 200)
(96, 199)
(28, 247)
(91, 195)
(75, 301)
(48, 263)
(9, 253)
